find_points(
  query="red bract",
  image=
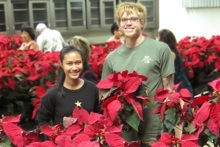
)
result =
(123, 87)
(167, 140)
(52, 132)
(39, 94)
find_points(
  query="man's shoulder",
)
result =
(155, 43)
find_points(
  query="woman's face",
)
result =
(25, 36)
(72, 65)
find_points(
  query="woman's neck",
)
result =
(73, 84)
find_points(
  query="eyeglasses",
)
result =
(132, 20)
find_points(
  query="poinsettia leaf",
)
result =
(189, 144)
(157, 110)
(42, 144)
(88, 144)
(81, 114)
(137, 107)
(12, 83)
(168, 139)
(105, 84)
(73, 129)
(14, 132)
(114, 129)
(174, 97)
(215, 114)
(109, 100)
(132, 85)
(161, 94)
(51, 131)
(189, 137)
(63, 141)
(162, 111)
(80, 138)
(11, 119)
(90, 131)
(215, 85)
(114, 140)
(133, 120)
(200, 100)
(213, 127)
(159, 144)
(40, 91)
(171, 119)
(185, 94)
(202, 114)
(105, 94)
(113, 108)
(94, 117)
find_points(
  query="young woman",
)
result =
(28, 38)
(168, 37)
(69, 91)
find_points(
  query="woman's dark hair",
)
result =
(168, 37)
(114, 27)
(61, 74)
(29, 30)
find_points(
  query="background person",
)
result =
(49, 40)
(83, 44)
(28, 39)
(168, 37)
(117, 34)
(147, 57)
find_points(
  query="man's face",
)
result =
(130, 25)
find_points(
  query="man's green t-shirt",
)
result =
(152, 59)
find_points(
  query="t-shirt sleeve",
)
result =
(167, 62)
(107, 70)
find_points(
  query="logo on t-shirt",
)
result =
(147, 59)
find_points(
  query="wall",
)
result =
(188, 22)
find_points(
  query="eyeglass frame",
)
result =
(131, 19)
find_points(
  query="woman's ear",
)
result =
(61, 65)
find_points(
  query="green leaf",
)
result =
(133, 120)
(7, 141)
(171, 119)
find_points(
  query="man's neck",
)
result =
(135, 41)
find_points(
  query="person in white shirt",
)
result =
(117, 35)
(49, 40)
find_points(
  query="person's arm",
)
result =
(168, 81)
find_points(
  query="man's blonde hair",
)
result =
(81, 43)
(130, 8)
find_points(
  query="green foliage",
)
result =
(171, 120)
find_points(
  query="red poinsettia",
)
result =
(174, 106)
(87, 129)
(200, 56)
(16, 134)
(122, 98)
(207, 116)
(167, 140)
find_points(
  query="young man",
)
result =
(145, 56)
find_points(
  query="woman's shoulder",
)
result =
(90, 84)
